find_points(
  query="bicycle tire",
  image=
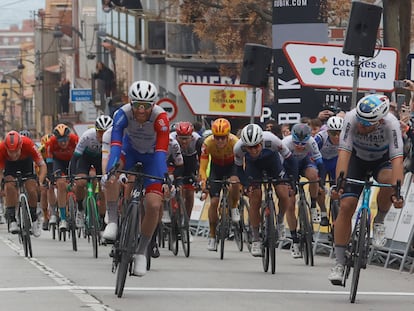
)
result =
(306, 234)
(333, 212)
(272, 237)
(238, 227)
(184, 225)
(265, 244)
(126, 247)
(93, 224)
(53, 229)
(72, 223)
(174, 233)
(223, 224)
(247, 234)
(25, 224)
(359, 253)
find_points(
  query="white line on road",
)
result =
(65, 283)
(207, 290)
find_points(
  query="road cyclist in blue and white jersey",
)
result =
(140, 133)
(259, 151)
(306, 151)
(370, 144)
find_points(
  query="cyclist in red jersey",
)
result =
(18, 153)
(59, 150)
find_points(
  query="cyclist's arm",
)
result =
(42, 173)
(397, 169)
(343, 162)
(120, 123)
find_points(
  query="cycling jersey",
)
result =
(174, 155)
(88, 144)
(385, 139)
(106, 143)
(28, 150)
(311, 147)
(326, 147)
(54, 151)
(193, 147)
(219, 156)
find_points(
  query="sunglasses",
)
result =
(365, 122)
(184, 137)
(220, 137)
(334, 133)
(254, 147)
(138, 105)
(300, 143)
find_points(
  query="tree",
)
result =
(233, 23)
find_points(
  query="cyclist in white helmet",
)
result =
(88, 154)
(141, 131)
(328, 142)
(259, 151)
(370, 144)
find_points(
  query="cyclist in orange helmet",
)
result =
(219, 148)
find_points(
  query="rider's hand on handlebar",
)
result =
(398, 202)
(335, 194)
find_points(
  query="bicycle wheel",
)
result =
(359, 253)
(71, 221)
(93, 224)
(126, 247)
(223, 224)
(25, 226)
(174, 233)
(306, 234)
(238, 227)
(184, 225)
(271, 240)
(265, 244)
(247, 233)
(333, 211)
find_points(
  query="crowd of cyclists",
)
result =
(368, 140)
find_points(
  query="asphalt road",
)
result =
(58, 278)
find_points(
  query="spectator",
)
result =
(64, 93)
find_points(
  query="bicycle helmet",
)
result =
(61, 131)
(335, 123)
(172, 127)
(13, 141)
(251, 135)
(373, 108)
(103, 123)
(184, 128)
(301, 132)
(45, 139)
(221, 127)
(143, 91)
(26, 133)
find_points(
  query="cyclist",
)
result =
(306, 151)
(49, 217)
(190, 144)
(59, 151)
(88, 154)
(141, 131)
(19, 153)
(26, 133)
(370, 144)
(260, 151)
(328, 141)
(219, 148)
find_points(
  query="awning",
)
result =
(53, 68)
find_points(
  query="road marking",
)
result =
(65, 283)
(74, 288)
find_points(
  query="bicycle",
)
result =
(180, 222)
(130, 227)
(356, 255)
(269, 221)
(23, 217)
(225, 224)
(305, 223)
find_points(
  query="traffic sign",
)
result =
(325, 66)
(81, 95)
(169, 106)
(222, 99)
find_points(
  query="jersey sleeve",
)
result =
(161, 127)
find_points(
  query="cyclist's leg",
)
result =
(10, 201)
(44, 206)
(383, 175)
(31, 189)
(61, 185)
(311, 173)
(234, 197)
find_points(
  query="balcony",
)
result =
(185, 49)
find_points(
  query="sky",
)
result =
(14, 11)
